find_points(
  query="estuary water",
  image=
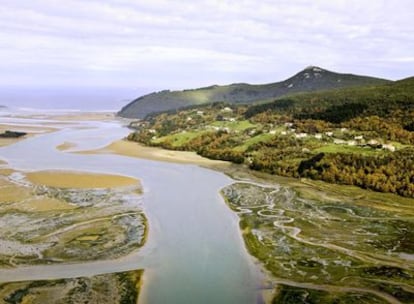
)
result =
(194, 252)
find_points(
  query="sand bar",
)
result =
(133, 149)
(30, 130)
(66, 146)
(63, 179)
(88, 116)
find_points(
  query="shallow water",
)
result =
(194, 252)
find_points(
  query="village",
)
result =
(191, 123)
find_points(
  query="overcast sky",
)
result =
(190, 43)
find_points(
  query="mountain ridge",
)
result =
(310, 79)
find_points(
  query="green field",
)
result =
(178, 139)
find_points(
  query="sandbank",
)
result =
(26, 128)
(94, 116)
(133, 149)
(67, 116)
(30, 130)
(64, 179)
(66, 146)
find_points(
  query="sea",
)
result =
(52, 100)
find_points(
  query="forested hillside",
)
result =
(357, 136)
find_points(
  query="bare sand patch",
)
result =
(100, 116)
(133, 149)
(66, 146)
(26, 128)
(19, 198)
(6, 171)
(45, 204)
(67, 116)
(10, 192)
(63, 179)
(30, 130)
(13, 193)
(8, 141)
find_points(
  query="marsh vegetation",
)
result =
(45, 219)
(341, 245)
(112, 288)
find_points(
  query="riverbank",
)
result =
(367, 254)
(30, 130)
(181, 203)
(80, 180)
(133, 149)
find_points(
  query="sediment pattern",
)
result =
(327, 250)
(101, 289)
(44, 225)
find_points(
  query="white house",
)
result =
(388, 147)
(339, 141)
(301, 135)
(227, 109)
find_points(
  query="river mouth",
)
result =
(193, 250)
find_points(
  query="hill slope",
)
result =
(308, 80)
(336, 105)
(361, 136)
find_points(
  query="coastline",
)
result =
(30, 130)
(304, 188)
(40, 272)
(133, 149)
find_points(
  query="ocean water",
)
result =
(49, 100)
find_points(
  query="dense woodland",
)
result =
(360, 136)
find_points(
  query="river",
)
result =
(194, 252)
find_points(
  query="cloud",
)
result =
(191, 43)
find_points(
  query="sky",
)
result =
(164, 44)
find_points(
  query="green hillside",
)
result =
(342, 104)
(357, 136)
(309, 80)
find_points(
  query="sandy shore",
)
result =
(21, 197)
(8, 141)
(81, 180)
(95, 116)
(66, 146)
(133, 149)
(69, 116)
(30, 130)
